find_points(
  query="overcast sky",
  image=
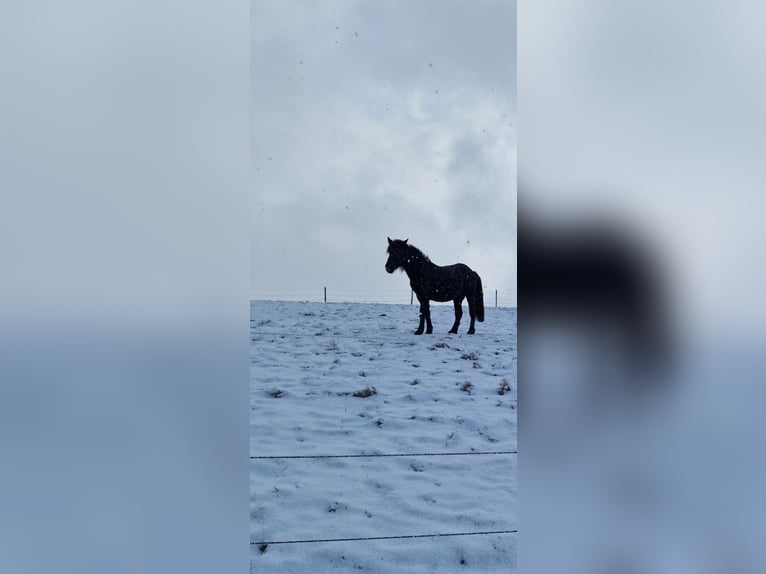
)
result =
(375, 119)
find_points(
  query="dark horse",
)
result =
(431, 282)
(597, 278)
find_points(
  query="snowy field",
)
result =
(350, 379)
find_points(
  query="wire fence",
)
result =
(492, 298)
(379, 455)
(264, 544)
(331, 294)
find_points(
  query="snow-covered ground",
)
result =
(435, 393)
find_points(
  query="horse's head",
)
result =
(397, 254)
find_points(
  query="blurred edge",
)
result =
(124, 140)
(640, 285)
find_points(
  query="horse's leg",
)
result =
(458, 315)
(472, 313)
(429, 326)
(423, 311)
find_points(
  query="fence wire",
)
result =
(346, 296)
(383, 455)
(264, 544)
(401, 537)
(492, 298)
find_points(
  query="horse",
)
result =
(606, 288)
(432, 282)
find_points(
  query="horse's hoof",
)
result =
(418, 332)
(453, 331)
(471, 331)
(430, 332)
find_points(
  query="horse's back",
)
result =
(462, 270)
(460, 278)
(459, 269)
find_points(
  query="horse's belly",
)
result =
(441, 296)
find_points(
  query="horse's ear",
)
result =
(405, 241)
(389, 240)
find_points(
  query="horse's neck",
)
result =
(418, 264)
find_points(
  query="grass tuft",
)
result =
(365, 393)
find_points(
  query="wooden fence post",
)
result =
(495, 298)
(325, 294)
(411, 293)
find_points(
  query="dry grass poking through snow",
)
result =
(353, 379)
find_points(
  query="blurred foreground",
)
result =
(640, 287)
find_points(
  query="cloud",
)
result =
(377, 120)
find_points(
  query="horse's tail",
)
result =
(479, 300)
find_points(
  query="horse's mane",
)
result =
(417, 253)
(412, 251)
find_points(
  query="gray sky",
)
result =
(375, 119)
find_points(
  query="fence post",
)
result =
(411, 292)
(495, 298)
(325, 294)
